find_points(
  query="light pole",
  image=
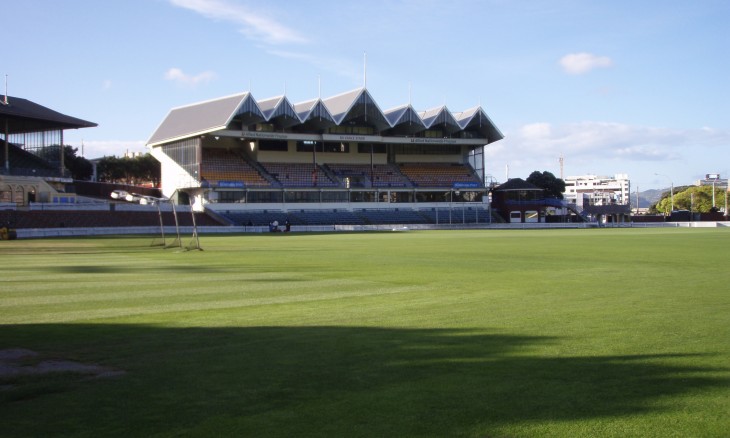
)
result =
(671, 189)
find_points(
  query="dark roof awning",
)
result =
(23, 116)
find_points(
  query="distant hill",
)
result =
(647, 197)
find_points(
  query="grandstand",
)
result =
(338, 160)
(33, 161)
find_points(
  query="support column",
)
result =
(7, 149)
(63, 165)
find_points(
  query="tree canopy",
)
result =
(553, 186)
(144, 168)
(693, 198)
(80, 167)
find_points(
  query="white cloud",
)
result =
(177, 75)
(604, 145)
(106, 84)
(580, 63)
(255, 25)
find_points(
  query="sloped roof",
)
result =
(342, 107)
(516, 184)
(24, 115)
(198, 118)
(477, 119)
(403, 114)
(218, 114)
(439, 116)
(279, 109)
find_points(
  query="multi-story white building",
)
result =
(587, 190)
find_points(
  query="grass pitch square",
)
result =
(620, 332)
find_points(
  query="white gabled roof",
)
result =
(438, 116)
(198, 118)
(217, 114)
(476, 118)
(279, 108)
(403, 114)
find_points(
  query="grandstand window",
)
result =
(302, 196)
(432, 196)
(472, 134)
(360, 130)
(273, 145)
(422, 149)
(185, 153)
(433, 133)
(363, 196)
(334, 196)
(336, 147)
(265, 127)
(265, 197)
(401, 196)
(309, 146)
(237, 196)
(364, 148)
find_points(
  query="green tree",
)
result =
(554, 187)
(80, 167)
(694, 198)
(128, 170)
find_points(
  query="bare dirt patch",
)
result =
(17, 362)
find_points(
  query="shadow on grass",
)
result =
(332, 381)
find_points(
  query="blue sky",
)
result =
(636, 87)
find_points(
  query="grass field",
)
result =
(620, 332)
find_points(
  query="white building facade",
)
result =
(587, 190)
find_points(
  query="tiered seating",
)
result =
(221, 165)
(459, 215)
(438, 174)
(298, 175)
(23, 162)
(382, 175)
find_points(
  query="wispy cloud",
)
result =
(605, 141)
(106, 84)
(343, 67)
(581, 63)
(603, 147)
(254, 25)
(182, 78)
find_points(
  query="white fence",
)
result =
(30, 233)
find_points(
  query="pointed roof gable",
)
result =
(478, 120)
(313, 115)
(198, 118)
(340, 104)
(355, 107)
(439, 116)
(267, 106)
(313, 109)
(404, 117)
(279, 110)
(248, 111)
(354, 104)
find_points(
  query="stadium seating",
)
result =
(298, 175)
(222, 165)
(378, 175)
(438, 174)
